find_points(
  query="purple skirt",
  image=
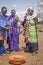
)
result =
(14, 39)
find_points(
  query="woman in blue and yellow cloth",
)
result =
(3, 28)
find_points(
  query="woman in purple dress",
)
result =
(13, 32)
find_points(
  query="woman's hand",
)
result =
(8, 27)
(12, 24)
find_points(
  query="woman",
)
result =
(13, 32)
(32, 17)
(3, 24)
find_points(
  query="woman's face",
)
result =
(4, 11)
(30, 11)
(13, 13)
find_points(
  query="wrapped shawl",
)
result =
(4, 21)
(32, 30)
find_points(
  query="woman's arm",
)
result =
(36, 21)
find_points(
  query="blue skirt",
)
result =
(2, 48)
(35, 46)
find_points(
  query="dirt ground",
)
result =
(31, 59)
